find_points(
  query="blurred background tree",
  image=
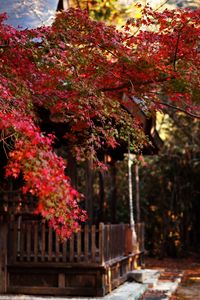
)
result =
(170, 189)
(117, 11)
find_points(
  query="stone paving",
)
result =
(165, 286)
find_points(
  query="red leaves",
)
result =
(77, 71)
(44, 177)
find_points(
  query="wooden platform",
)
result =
(91, 263)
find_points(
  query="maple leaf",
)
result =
(73, 74)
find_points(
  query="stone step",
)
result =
(128, 291)
(145, 276)
(167, 286)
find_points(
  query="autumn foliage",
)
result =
(77, 71)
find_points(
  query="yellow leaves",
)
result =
(135, 11)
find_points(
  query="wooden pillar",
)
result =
(72, 168)
(102, 243)
(113, 193)
(89, 190)
(3, 255)
(101, 215)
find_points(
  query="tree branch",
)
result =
(177, 108)
(132, 84)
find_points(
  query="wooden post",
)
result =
(79, 252)
(61, 280)
(113, 193)
(35, 241)
(89, 190)
(101, 243)
(101, 213)
(86, 243)
(93, 243)
(3, 256)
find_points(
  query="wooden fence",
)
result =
(34, 241)
(114, 241)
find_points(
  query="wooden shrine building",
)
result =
(34, 261)
(90, 263)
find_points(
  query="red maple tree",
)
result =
(78, 70)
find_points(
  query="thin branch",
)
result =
(159, 7)
(177, 108)
(78, 3)
(4, 143)
(115, 88)
(109, 51)
(7, 137)
(132, 84)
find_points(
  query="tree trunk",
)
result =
(132, 221)
(137, 195)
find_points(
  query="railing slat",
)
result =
(57, 248)
(71, 249)
(49, 244)
(78, 246)
(15, 241)
(93, 243)
(43, 228)
(64, 251)
(28, 241)
(101, 242)
(22, 232)
(86, 243)
(35, 241)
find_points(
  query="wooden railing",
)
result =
(34, 241)
(113, 241)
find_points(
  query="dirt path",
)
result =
(189, 288)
